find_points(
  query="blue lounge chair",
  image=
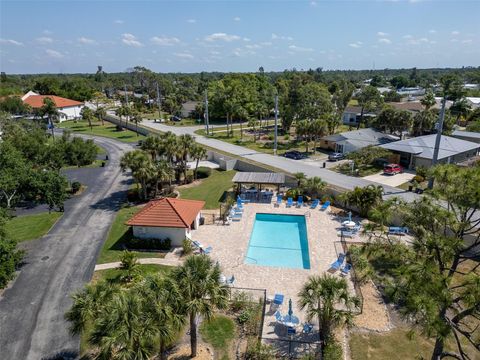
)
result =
(397, 230)
(307, 328)
(278, 316)
(346, 269)
(278, 299)
(196, 244)
(238, 210)
(300, 201)
(207, 250)
(289, 202)
(291, 331)
(242, 200)
(279, 200)
(325, 206)
(347, 233)
(230, 281)
(314, 204)
(338, 263)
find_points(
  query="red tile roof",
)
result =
(36, 101)
(168, 212)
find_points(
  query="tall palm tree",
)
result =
(185, 145)
(152, 145)
(100, 113)
(49, 109)
(300, 177)
(197, 153)
(317, 128)
(320, 296)
(141, 166)
(124, 330)
(136, 118)
(169, 145)
(120, 112)
(163, 173)
(87, 115)
(165, 308)
(303, 131)
(200, 290)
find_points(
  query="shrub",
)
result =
(418, 179)
(332, 351)
(286, 137)
(119, 128)
(421, 171)
(187, 246)
(239, 301)
(271, 137)
(326, 198)
(203, 172)
(256, 350)
(76, 187)
(244, 316)
(150, 244)
(293, 193)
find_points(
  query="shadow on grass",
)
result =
(226, 195)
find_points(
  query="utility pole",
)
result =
(126, 106)
(438, 139)
(159, 103)
(276, 123)
(206, 113)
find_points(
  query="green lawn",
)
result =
(219, 332)
(212, 190)
(108, 130)
(118, 235)
(145, 269)
(390, 345)
(29, 227)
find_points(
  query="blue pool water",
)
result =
(279, 240)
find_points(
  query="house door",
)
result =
(339, 148)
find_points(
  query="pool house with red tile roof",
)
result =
(167, 218)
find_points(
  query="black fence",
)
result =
(294, 348)
(254, 295)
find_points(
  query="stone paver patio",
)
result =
(230, 245)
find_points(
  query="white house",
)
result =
(68, 109)
(167, 218)
(354, 140)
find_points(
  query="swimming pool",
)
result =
(279, 240)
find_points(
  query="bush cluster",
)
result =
(76, 185)
(150, 244)
(203, 172)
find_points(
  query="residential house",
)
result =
(68, 109)
(418, 151)
(188, 108)
(352, 115)
(474, 102)
(170, 218)
(467, 135)
(355, 140)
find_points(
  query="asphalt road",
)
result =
(32, 324)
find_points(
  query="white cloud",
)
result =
(164, 40)
(313, 3)
(266, 43)
(253, 46)
(47, 32)
(222, 37)
(44, 40)
(356, 44)
(119, 22)
(384, 41)
(191, 21)
(183, 55)
(246, 39)
(281, 37)
(407, 37)
(86, 41)
(11, 42)
(455, 32)
(381, 33)
(131, 40)
(213, 52)
(467, 41)
(236, 18)
(432, 31)
(54, 54)
(299, 48)
(423, 40)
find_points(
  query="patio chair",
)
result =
(278, 316)
(207, 250)
(277, 301)
(197, 244)
(291, 331)
(279, 200)
(347, 233)
(338, 263)
(346, 269)
(230, 281)
(325, 206)
(307, 328)
(314, 204)
(300, 201)
(241, 199)
(397, 230)
(289, 202)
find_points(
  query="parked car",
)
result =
(336, 156)
(175, 118)
(392, 169)
(294, 154)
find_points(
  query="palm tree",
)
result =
(165, 309)
(301, 177)
(87, 115)
(320, 296)
(169, 146)
(303, 131)
(185, 145)
(152, 145)
(200, 290)
(137, 118)
(141, 166)
(197, 153)
(163, 173)
(364, 199)
(124, 330)
(100, 113)
(120, 112)
(129, 266)
(318, 128)
(49, 109)
(314, 186)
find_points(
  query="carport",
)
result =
(257, 179)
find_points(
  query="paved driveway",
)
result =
(32, 324)
(391, 180)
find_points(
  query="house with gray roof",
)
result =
(467, 135)
(350, 141)
(418, 151)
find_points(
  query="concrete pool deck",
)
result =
(230, 245)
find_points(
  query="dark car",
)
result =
(294, 154)
(175, 118)
(392, 169)
(336, 156)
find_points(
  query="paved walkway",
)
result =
(282, 163)
(144, 261)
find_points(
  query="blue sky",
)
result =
(191, 36)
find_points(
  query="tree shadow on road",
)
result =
(63, 355)
(113, 202)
